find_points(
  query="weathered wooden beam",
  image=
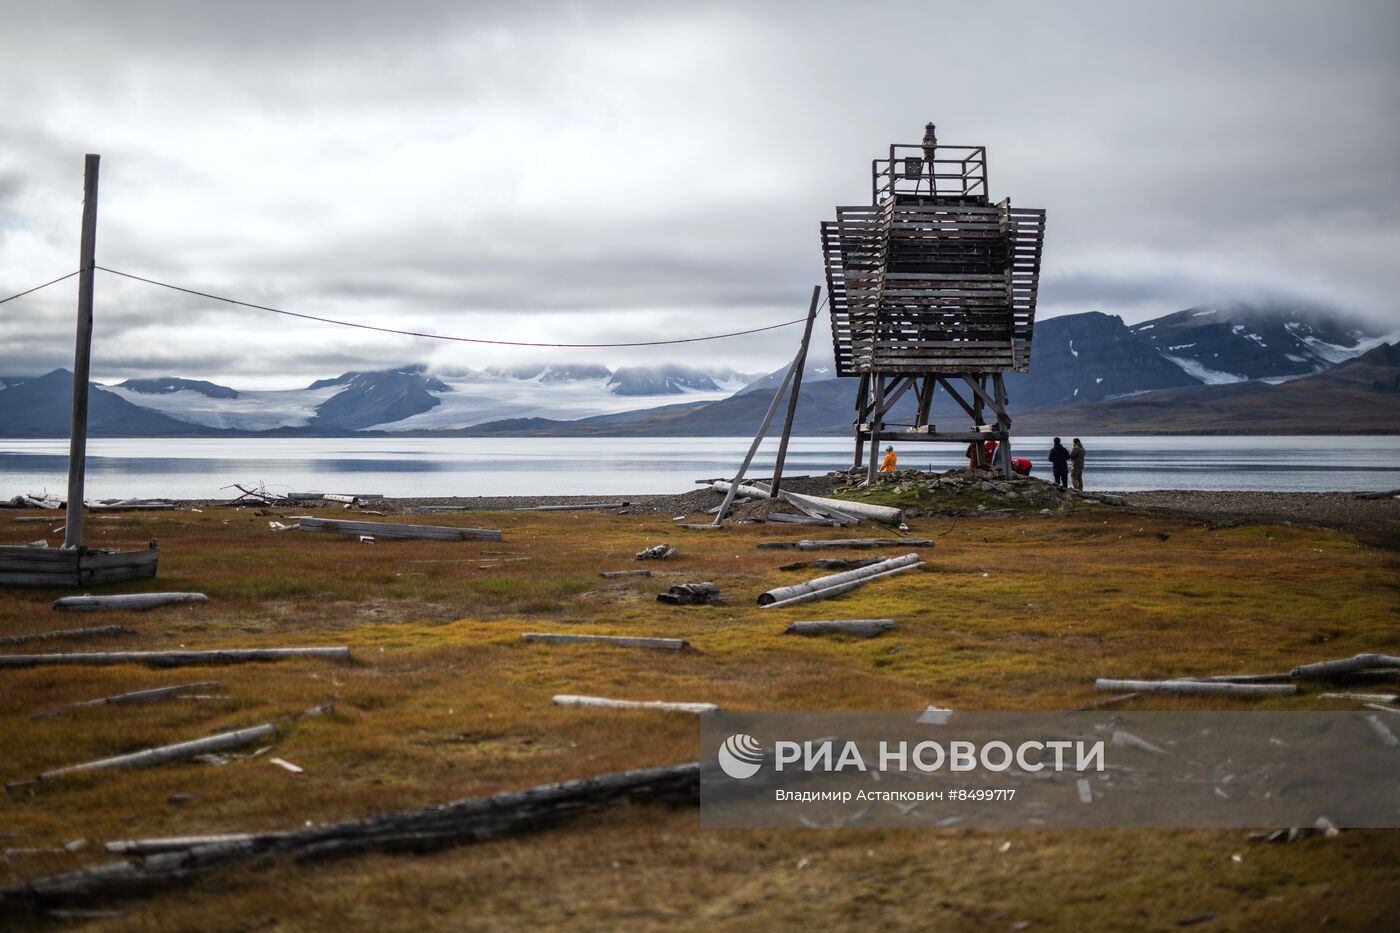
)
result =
(180, 751)
(137, 696)
(834, 563)
(614, 574)
(1323, 670)
(1362, 697)
(394, 530)
(125, 602)
(785, 593)
(577, 507)
(175, 658)
(171, 843)
(837, 590)
(621, 641)
(860, 628)
(566, 699)
(97, 632)
(1194, 687)
(456, 823)
(862, 543)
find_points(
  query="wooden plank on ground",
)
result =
(621, 641)
(395, 530)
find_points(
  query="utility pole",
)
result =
(82, 358)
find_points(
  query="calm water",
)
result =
(196, 468)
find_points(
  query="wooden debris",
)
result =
(175, 658)
(801, 520)
(860, 628)
(1363, 697)
(1325, 670)
(1244, 678)
(97, 632)
(125, 602)
(130, 505)
(1194, 687)
(706, 526)
(621, 641)
(427, 829)
(166, 753)
(849, 510)
(822, 587)
(855, 544)
(171, 843)
(394, 530)
(138, 696)
(286, 765)
(834, 563)
(689, 594)
(578, 507)
(614, 574)
(566, 699)
(656, 552)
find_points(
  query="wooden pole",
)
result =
(758, 439)
(792, 395)
(82, 357)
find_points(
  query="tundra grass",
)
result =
(442, 700)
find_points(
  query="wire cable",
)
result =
(30, 291)
(413, 333)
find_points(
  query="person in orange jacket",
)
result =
(888, 464)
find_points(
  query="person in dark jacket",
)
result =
(1076, 465)
(1059, 461)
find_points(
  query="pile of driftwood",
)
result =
(458, 823)
(1360, 669)
(816, 510)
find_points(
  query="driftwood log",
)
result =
(180, 751)
(845, 508)
(1325, 670)
(860, 628)
(175, 658)
(621, 641)
(96, 632)
(578, 507)
(614, 574)
(394, 530)
(457, 823)
(834, 563)
(125, 602)
(566, 699)
(853, 544)
(138, 696)
(815, 588)
(1194, 687)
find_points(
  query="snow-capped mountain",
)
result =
(410, 399)
(1224, 344)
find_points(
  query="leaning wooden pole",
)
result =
(793, 393)
(82, 358)
(757, 440)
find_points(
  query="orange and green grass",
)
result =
(443, 701)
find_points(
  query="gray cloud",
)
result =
(575, 172)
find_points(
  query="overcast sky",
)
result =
(589, 172)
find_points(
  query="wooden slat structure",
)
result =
(932, 285)
(73, 567)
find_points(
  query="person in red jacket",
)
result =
(989, 452)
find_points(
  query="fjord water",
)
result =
(198, 468)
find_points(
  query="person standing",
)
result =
(888, 465)
(1059, 462)
(1076, 465)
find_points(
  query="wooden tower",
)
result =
(932, 285)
